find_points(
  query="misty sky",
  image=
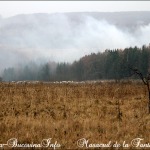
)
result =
(60, 37)
(11, 8)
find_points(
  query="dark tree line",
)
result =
(111, 64)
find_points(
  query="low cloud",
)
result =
(60, 38)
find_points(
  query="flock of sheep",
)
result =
(57, 82)
(74, 82)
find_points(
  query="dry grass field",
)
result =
(100, 112)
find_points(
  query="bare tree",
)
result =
(146, 81)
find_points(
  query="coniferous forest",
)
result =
(111, 64)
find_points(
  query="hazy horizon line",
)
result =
(66, 12)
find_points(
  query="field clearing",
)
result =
(100, 112)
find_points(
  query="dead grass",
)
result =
(69, 112)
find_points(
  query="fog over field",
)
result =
(69, 36)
